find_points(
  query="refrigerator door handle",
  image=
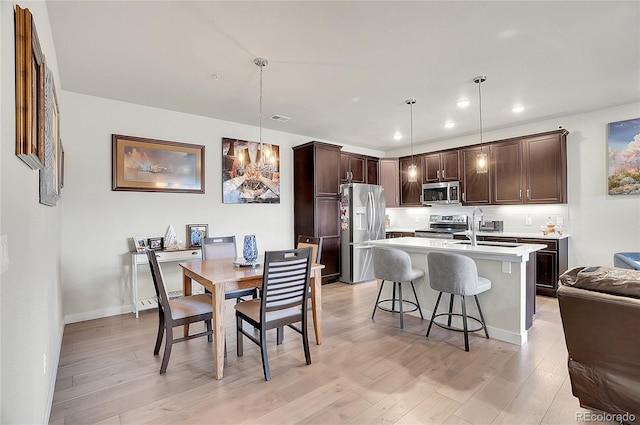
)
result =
(372, 213)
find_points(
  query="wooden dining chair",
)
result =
(285, 293)
(225, 247)
(315, 243)
(177, 312)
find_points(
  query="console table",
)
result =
(163, 257)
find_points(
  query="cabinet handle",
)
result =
(520, 195)
(464, 196)
(438, 174)
(443, 176)
(529, 194)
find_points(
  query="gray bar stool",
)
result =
(456, 274)
(395, 265)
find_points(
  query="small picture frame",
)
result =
(140, 242)
(156, 244)
(195, 233)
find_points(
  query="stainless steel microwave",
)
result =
(443, 193)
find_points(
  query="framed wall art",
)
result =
(50, 174)
(149, 165)
(30, 76)
(195, 233)
(156, 243)
(624, 157)
(250, 172)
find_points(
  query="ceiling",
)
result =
(343, 70)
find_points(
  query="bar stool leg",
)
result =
(484, 325)
(450, 310)
(434, 313)
(464, 324)
(417, 302)
(393, 298)
(375, 306)
(401, 305)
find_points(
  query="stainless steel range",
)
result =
(444, 226)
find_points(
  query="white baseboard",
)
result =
(54, 376)
(97, 314)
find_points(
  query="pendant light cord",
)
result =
(261, 67)
(411, 128)
(480, 100)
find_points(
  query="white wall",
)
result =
(30, 296)
(97, 222)
(600, 225)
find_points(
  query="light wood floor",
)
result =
(365, 372)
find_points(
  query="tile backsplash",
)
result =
(515, 217)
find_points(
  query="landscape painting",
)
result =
(250, 172)
(624, 157)
(150, 165)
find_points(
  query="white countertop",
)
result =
(491, 251)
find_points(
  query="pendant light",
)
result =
(261, 62)
(412, 171)
(481, 158)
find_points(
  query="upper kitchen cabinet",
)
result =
(389, 180)
(545, 165)
(476, 189)
(441, 166)
(373, 170)
(353, 168)
(410, 192)
(530, 170)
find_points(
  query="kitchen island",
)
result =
(509, 305)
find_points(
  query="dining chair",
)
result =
(315, 243)
(283, 301)
(177, 312)
(225, 247)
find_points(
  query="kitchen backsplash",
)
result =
(515, 217)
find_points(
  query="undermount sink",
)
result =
(500, 244)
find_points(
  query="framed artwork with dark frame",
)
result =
(623, 145)
(30, 91)
(195, 233)
(156, 244)
(50, 174)
(149, 165)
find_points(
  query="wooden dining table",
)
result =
(220, 276)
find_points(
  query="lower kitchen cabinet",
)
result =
(391, 235)
(551, 262)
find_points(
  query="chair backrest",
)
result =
(285, 282)
(452, 273)
(315, 243)
(219, 247)
(391, 264)
(158, 283)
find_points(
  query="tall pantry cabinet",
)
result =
(316, 200)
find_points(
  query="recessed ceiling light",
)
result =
(463, 103)
(517, 108)
(216, 77)
(397, 135)
(449, 124)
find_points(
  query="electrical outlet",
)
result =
(506, 267)
(527, 220)
(560, 221)
(417, 219)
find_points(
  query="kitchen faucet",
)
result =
(472, 236)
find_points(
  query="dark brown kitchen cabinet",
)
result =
(476, 189)
(441, 166)
(530, 170)
(506, 167)
(389, 180)
(353, 168)
(410, 192)
(373, 171)
(545, 165)
(551, 262)
(316, 184)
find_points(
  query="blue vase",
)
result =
(250, 248)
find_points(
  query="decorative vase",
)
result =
(250, 248)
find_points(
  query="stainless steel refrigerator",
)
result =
(361, 220)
